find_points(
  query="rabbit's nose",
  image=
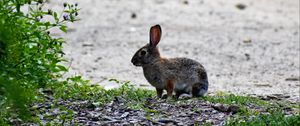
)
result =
(133, 60)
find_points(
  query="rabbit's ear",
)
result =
(155, 34)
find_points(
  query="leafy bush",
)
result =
(29, 56)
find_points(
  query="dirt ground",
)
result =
(247, 47)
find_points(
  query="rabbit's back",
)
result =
(184, 68)
(183, 72)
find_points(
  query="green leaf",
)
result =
(47, 24)
(63, 28)
(55, 16)
(62, 68)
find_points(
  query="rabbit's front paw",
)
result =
(185, 96)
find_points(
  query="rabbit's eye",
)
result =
(143, 53)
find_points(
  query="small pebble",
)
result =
(186, 2)
(292, 79)
(240, 6)
(133, 15)
(247, 40)
(233, 108)
(247, 56)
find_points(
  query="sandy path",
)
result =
(215, 33)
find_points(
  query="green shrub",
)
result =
(29, 56)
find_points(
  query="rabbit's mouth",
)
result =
(136, 63)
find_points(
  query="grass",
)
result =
(78, 89)
(274, 118)
(225, 98)
(247, 117)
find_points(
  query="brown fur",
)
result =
(169, 88)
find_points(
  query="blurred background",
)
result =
(246, 46)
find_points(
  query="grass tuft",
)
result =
(268, 113)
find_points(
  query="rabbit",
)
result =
(181, 75)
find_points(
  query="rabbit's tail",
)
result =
(200, 88)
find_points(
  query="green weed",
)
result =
(234, 99)
(276, 117)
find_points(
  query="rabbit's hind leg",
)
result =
(170, 88)
(200, 88)
(182, 90)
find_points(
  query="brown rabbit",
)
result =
(182, 75)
